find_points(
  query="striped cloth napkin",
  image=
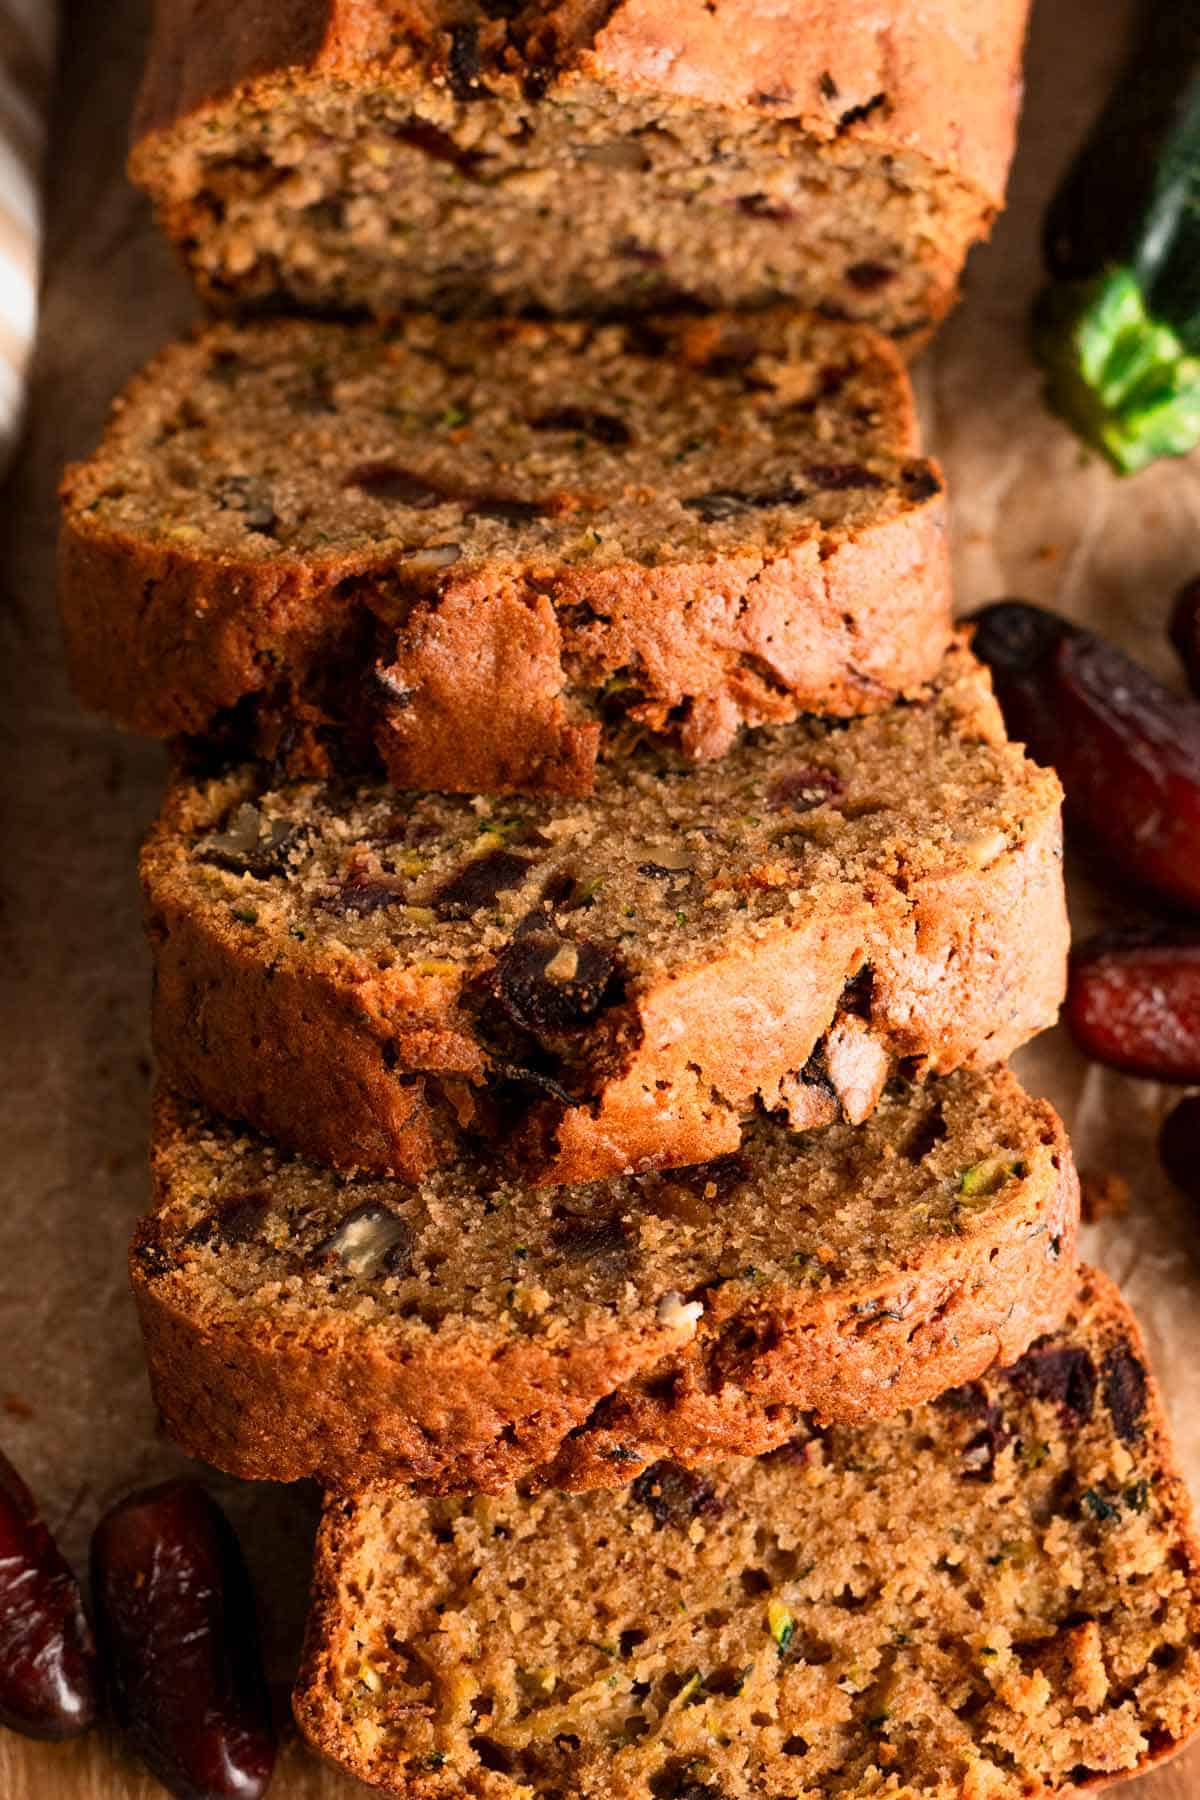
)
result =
(27, 41)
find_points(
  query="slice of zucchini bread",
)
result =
(492, 550)
(612, 983)
(995, 1596)
(359, 154)
(469, 1332)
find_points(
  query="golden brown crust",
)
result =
(481, 1409)
(367, 1063)
(949, 75)
(272, 1045)
(360, 1410)
(936, 91)
(1047, 1696)
(740, 1396)
(834, 627)
(492, 677)
(965, 971)
(163, 642)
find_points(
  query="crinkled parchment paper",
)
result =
(1032, 517)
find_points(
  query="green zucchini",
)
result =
(1117, 329)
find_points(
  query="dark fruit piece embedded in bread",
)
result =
(613, 983)
(351, 154)
(469, 1332)
(989, 1597)
(488, 554)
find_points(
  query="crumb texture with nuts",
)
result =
(468, 1332)
(991, 1596)
(491, 553)
(583, 157)
(613, 983)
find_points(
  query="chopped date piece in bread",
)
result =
(349, 155)
(496, 553)
(298, 1322)
(890, 1607)
(618, 982)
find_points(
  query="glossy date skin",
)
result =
(1133, 1002)
(175, 1618)
(1128, 752)
(1126, 749)
(49, 1686)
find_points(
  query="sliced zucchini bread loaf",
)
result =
(611, 983)
(351, 154)
(492, 550)
(469, 1332)
(992, 1597)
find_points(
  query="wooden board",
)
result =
(1030, 516)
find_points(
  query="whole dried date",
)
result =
(1179, 1145)
(1133, 1001)
(48, 1681)
(175, 1616)
(1126, 749)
